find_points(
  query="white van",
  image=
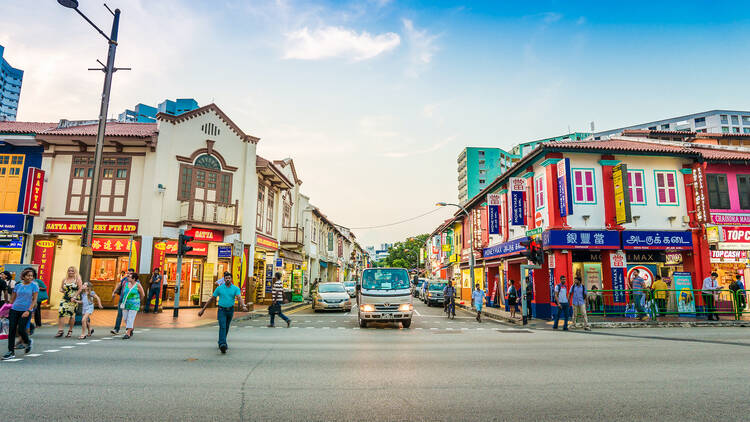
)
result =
(384, 295)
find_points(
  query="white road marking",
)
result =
(463, 328)
(51, 351)
(137, 331)
(418, 328)
(94, 341)
(13, 360)
(83, 343)
(67, 347)
(107, 338)
(433, 328)
(308, 320)
(309, 327)
(146, 329)
(341, 328)
(355, 328)
(480, 328)
(326, 328)
(33, 355)
(449, 328)
(417, 312)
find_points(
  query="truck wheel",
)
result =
(406, 323)
(362, 323)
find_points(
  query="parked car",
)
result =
(351, 287)
(417, 289)
(435, 293)
(331, 296)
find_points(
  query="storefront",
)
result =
(647, 251)
(730, 257)
(115, 247)
(503, 263)
(266, 250)
(12, 238)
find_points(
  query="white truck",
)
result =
(384, 295)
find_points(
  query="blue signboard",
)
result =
(12, 244)
(563, 188)
(12, 222)
(507, 248)
(225, 251)
(493, 217)
(279, 262)
(618, 285)
(269, 278)
(517, 208)
(581, 239)
(645, 239)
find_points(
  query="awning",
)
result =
(291, 255)
(323, 264)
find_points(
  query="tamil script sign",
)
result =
(633, 239)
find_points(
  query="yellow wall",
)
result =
(67, 255)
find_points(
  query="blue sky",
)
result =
(375, 99)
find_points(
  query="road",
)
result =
(326, 368)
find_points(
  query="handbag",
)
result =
(275, 308)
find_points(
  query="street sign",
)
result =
(534, 232)
(237, 248)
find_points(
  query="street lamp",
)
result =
(108, 69)
(471, 238)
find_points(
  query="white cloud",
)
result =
(581, 20)
(551, 17)
(429, 110)
(332, 41)
(421, 48)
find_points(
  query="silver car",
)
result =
(331, 296)
(351, 288)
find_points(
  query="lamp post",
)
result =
(471, 238)
(108, 69)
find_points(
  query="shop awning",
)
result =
(291, 255)
(323, 264)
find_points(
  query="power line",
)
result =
(397, 222)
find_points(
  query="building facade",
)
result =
(143, 113)
(11, 80)
(712, 121)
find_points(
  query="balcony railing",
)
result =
(293, 235)
(207, 212)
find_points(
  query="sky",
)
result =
(375, 99)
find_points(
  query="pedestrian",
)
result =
(88, 296)
(563, 306)
(638, 286)
(449, 297)
(70, 288)
(578, 301)
(512, 296)
(659, 288)
(708, 291)
(226, 292)
(278, 298)
(477, 298)
(41, 297)
(529, 296)
(118, 291)
(24, 301)
(4, 287)
(131, 303)
(739, 296)
(154, 291)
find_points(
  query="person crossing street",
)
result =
(278, 299)
(226, 294)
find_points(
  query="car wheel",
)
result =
(406, 323)
(362, 323)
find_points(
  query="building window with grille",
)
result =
(261, 204)
(584, 191)
(113, 185)
(743, 190)
(269, 213)
(666, 187)
(636, 187)
(718, 191)
(286, 219)
(205, 186)
(11, 173)
(539, 192)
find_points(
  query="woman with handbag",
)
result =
(131, 303)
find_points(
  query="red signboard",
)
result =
(199, 249)
(44, 256)
(728, 256)
(158, 258)
(266, 242)
(100, 227)
(206, 235)
(103, 244)
(736, 234)
(32, 203)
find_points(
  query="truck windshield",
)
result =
(385, 279)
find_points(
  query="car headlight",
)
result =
(319, 298)
(405, 307)
(429, 294)
(367, 308)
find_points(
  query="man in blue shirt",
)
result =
(578, 301)
(638, 286)
(563, 306)
(226, 292)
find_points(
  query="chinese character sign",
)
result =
(493, 213)
(517, 190)
(563, 187)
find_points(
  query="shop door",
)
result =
(11, 168)
(204, 205)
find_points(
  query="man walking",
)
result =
(154, 291)
(563, 306)
(278, 299)
(738, 295)
(529, 296)
(118, 291)
(637, 285)
(226, 292)
(578, 300)
(478, 298)
(710, 286)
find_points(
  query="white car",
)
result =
(351, 287)
(331, 296)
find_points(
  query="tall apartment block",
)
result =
(713, 121)
(10, 88)
(143, 113)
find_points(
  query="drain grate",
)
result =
(512, 331)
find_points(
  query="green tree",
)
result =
(405, 254)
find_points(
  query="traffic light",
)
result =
(182, 244)
(533, 251)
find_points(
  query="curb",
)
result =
(492, 316)
(285, 308)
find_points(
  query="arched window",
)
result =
(204, 182)
(207, 161)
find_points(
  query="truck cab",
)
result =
(384, 295)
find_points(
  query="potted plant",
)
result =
(195, 299)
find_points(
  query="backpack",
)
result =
(512, 293)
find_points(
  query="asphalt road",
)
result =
(326, 368)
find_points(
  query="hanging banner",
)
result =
(618, 264)
(159, 255)
(237, 271)
(493, 213)
(44, 256)
(683, 283)
(517, 212)
(32, 204)
(207, 286)
(563, 198)
(622, 193)
(699, 193)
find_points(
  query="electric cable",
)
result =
(397, 222)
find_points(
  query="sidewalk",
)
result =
(188, 317)
(610, 322)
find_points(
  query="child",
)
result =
(4, 323)
(88, 295)
(478, 298)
